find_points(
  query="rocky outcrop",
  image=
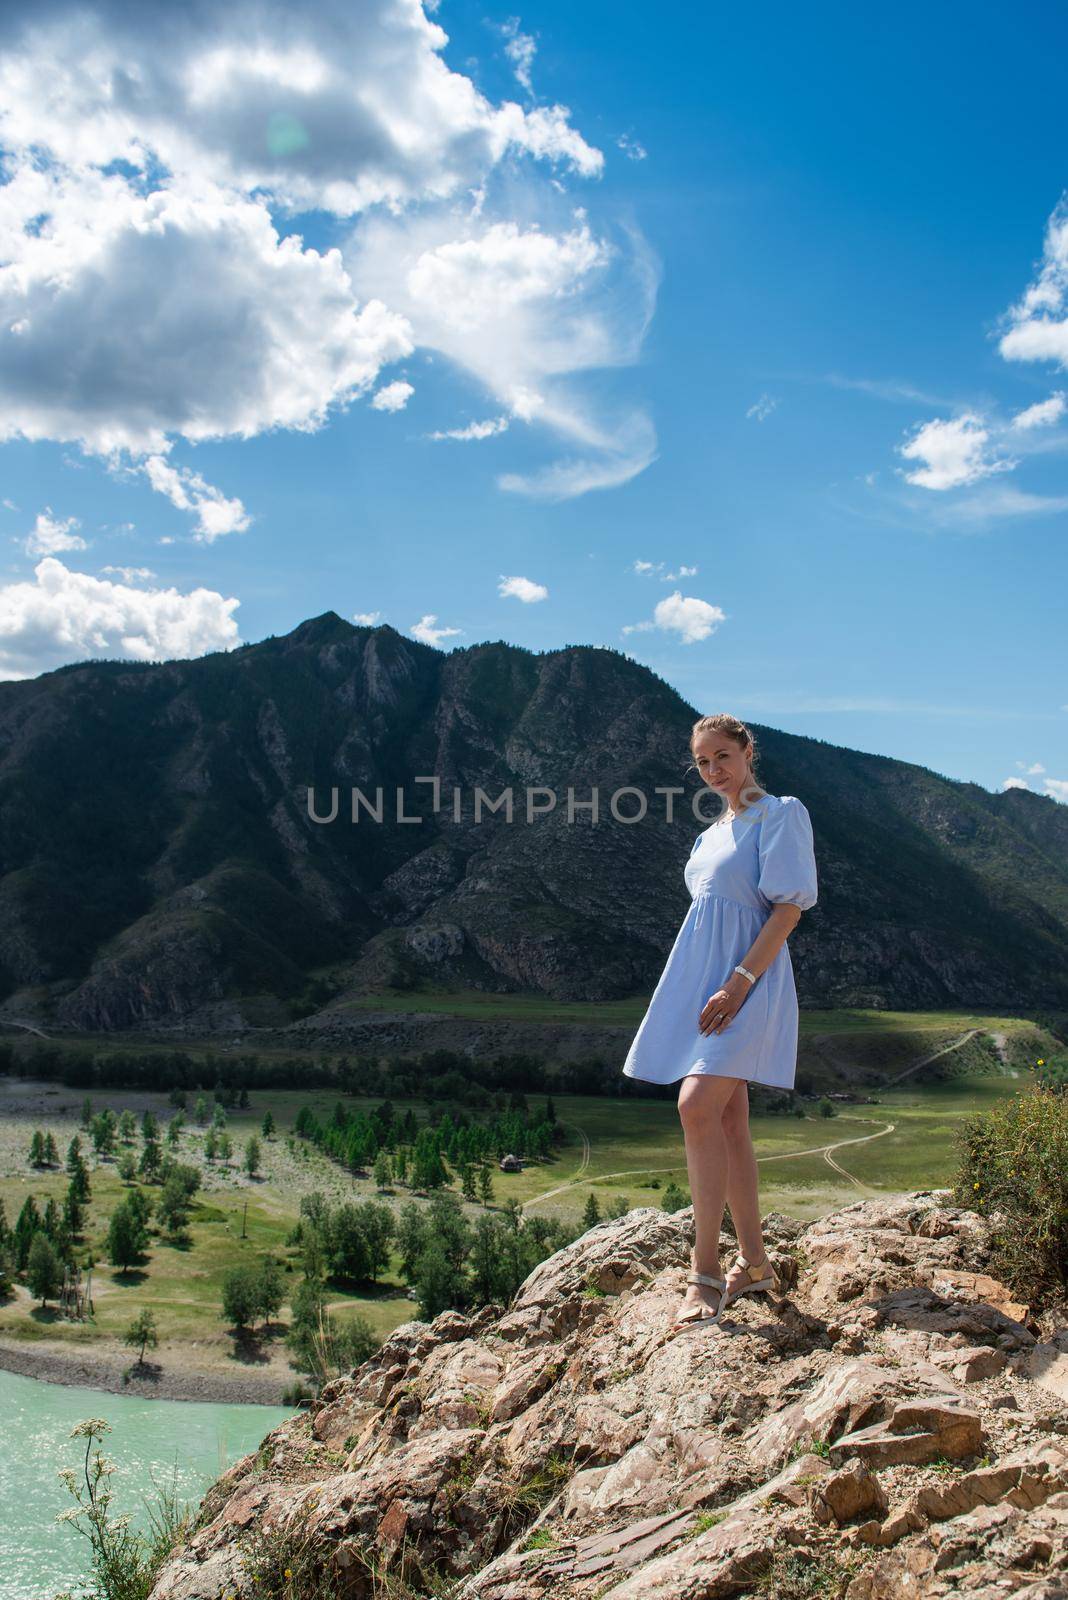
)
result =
(881, 1430)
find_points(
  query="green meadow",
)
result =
(895, 1136)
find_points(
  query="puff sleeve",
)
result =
(787, 858)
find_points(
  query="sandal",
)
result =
(762, 1278)
(697, 1316)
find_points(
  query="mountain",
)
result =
(890, 1426)
(157, 855)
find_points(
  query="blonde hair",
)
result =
(723, 722)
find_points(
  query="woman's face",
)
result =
(721, 761)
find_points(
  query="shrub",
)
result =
(1013, 1161)
(125, 1563)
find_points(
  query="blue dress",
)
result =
(736, 872)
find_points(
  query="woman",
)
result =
(751, 874)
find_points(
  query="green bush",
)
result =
(1013, 1160)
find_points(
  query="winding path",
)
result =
(826, 1150)
(944, 1051)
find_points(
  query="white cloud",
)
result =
(646, 569)
(1035, 767)
(64, 616)
(188, 491)
(50, 535)
(1014, 783)
(1057, 788)
(366, 619)
(523, 308)
(522, 589)
(333, 106)
(473, 430)
(425, 630)
(1042, 414)
(692, 619)
(393, 396)
(130, 574)
(631, 148)
(1038, 327)
(172, 314)
(520, 49)
(953, 453)
(148, 291)
(762, 408)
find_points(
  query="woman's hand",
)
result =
(725, 1004)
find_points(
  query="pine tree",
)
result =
(73, 1210)
(592, 1214)
(44, 1270)
(51, 1154)
(485, 1185)
(37, 1156)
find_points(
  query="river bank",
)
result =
(105, 1367)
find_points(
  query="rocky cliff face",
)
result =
(895, 1427)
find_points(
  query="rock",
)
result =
(1024, 1479)
(844, 1496)
(917, 1430)
(972, 1363)
(926, 1309)
(972, 1287)
(568, 1445)
(991, 1552)
(1047, 1366)
(851, 1397)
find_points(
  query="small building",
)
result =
(510, 1163)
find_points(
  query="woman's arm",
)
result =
(726, 1002)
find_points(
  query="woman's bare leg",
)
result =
(742, 1195)
(701, 1102)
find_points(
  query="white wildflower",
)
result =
(90, 1427)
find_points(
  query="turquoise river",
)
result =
(149, 1438)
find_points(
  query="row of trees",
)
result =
(357, 1139)
(434, 1075)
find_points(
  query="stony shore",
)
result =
(104, 1367)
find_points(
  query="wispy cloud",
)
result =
(51, 535)
(473, 430)
(890, 389)
(994, 504)
(762, 408)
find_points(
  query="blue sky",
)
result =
(696, 317)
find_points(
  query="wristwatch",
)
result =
(745, 972)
